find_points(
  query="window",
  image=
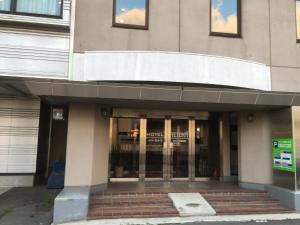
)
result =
(5, 5)
(131, 13)
(225, 18)
(47, 8)
(298, 19)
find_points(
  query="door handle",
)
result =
(165, 145)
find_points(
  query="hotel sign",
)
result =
(283, 154)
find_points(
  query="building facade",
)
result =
(150, 90)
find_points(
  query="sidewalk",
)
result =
(270, 219)
(3, 190)
(27, 206)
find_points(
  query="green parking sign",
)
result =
(283, 154)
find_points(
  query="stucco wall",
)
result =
(94, 30)
(101, 149)
(268, 34)
(194, 35)
(255, 155)
(175, 25)
(87, 146)
(285, 52)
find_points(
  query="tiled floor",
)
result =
(150, 199)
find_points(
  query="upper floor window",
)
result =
(47, 8)
(131, 13)
(298, 19)
(5, 5)
(225, 18)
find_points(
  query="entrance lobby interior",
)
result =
(169, 148)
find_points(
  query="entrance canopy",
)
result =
(157, 95)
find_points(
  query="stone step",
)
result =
(132, 196)
(238, 198)
(129, 201)
(254, 203)
(131, 206)
(252, 194)
(135, 216)
(156, 203)
(129, 197)
(252, 210)
(161, 195)
(159, 191)
(131, 212)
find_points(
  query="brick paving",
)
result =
(154, 202)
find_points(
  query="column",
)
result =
(86, 161)
(255, 155)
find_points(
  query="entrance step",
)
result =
(156, 203)
(245, 203)
(125, 205)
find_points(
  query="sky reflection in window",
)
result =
(224, 17)
(131, 12)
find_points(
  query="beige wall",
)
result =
(94, 30)
(285, 52)
(255, 155)
(183, 26)
(255, 37)
(101, 149)
(87, 146)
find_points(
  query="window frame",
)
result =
(13, 11)
(131, 26)
(297, 38)
(239, 23)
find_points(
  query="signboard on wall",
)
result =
(283, 154)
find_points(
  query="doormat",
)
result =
(191, 204)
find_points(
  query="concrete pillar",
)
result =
(101, 151)
(87, 146)
(225, 147)
(86, 161)
(255, 150)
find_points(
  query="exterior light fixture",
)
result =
(250, 117)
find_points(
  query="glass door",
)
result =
(203, 166)
(167, 148)
(155, 141)
(179, 148)
(125, 148)
(207, 153)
